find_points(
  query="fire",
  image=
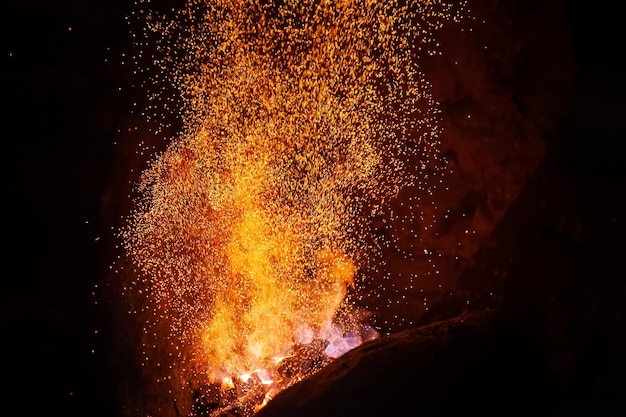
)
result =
(227, 383)
(300, 118)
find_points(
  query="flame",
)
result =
(227, 383)
(250, 227)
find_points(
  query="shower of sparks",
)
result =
(300, 119)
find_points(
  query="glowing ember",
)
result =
(300, 119)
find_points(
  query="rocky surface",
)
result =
(505, 90)
(475, 364)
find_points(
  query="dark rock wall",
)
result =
(505, 82)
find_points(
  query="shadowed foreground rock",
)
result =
(475, 364)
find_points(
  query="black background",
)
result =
(60, 75)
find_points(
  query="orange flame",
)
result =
(296, 116)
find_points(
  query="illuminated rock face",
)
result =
(504, 89)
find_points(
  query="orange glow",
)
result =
(250, 227)
(227, 383)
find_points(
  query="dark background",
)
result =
(60, 80)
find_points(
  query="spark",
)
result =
(299, 121)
